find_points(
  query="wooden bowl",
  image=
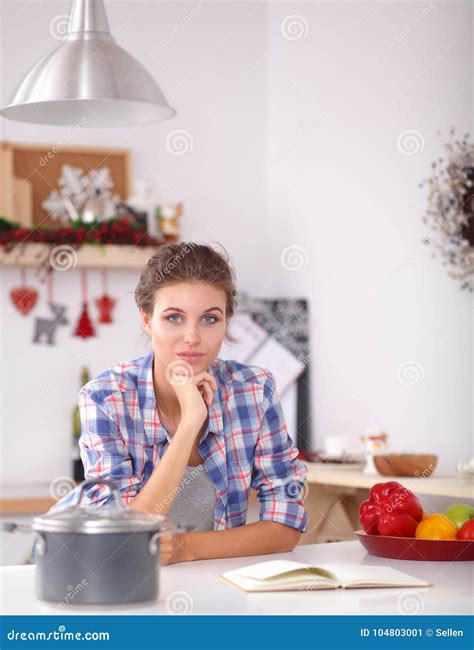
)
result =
(414, 465)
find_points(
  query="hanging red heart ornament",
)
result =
(24, 299)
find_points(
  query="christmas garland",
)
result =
(118, 230)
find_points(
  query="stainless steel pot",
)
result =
(97, 555)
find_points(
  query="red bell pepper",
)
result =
(391, 509)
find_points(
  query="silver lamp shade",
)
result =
(88, 80)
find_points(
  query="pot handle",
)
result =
(40, 544)
(112, 485)
(12, 527)
(169, 529)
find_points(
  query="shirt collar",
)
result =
(154, 429)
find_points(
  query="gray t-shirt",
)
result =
(195, 500)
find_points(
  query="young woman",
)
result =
(186, 434)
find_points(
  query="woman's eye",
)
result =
(211, 322)
(213, 317)
(173, 316)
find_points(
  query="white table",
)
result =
(195, 588)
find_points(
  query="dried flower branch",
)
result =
(450, 209)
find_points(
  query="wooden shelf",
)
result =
(89, 256)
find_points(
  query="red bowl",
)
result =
(412, 548)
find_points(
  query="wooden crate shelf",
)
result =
(89, 256)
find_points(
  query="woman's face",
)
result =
(187, 317)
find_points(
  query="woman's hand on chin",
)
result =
(195, 394)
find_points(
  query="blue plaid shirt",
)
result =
(245, 444)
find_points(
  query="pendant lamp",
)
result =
(88, 80)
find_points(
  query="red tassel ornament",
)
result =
(84, 327)
(105, 303)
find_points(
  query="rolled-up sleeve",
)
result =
(103, 453)
(279, 477)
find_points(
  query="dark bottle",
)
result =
(77, 466)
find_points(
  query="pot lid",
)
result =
(110, 518)
(98, 519)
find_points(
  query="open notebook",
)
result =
(285, 575)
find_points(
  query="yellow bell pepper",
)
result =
(436, 526)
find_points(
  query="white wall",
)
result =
(294, 143)
(337, 185)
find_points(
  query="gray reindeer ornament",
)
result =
(45, 328)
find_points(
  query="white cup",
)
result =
(334, 445)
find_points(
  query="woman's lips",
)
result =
(190, 358)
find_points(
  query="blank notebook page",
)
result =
(371, 574)
(269, 569)
(295, 572)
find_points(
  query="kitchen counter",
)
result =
(436, 484)
(336, 492)
(195, 588)
(25, 498)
